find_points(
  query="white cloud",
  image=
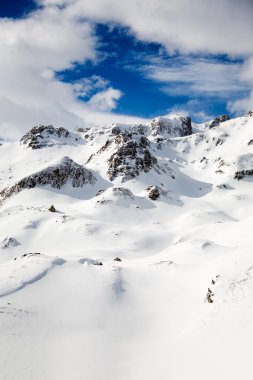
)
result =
(94, 117)
(208, 77)
(32, 50)
(193, 108)
(86, 86)
(245, 103)
(105, 101)
(197, 26)
(53, 38)
(217, 26)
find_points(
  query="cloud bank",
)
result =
(222, 27)
(62, 33)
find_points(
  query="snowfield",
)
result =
(143, 268)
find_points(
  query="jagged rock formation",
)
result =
(154, 192)
(224, 186)
(209, 296)
(122, 192)
(176, 126)
(250, 114)
(52, 208)
(218, 120)
(47, 136)
(56, 176)
(136, 129)
(240, 174)
(131, 157)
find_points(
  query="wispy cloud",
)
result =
(187, 27)
(62, 32)
(197, 76)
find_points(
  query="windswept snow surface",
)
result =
(177, 303)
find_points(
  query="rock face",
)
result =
(52, 209)
(56, 176)
(131, 157)
(218, 120)
(250, 114)
(243, 173)
(48, 136)
(154, 192)
(173, 126)
(122, 192)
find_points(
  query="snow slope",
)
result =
(177, 301)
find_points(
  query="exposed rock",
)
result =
(223, 186)
(63, 172)
(133, 129)
(131, 157)
(154, 192)
(100, 192)
(240, 174)
(209, 296)
(88, 261)
(250, 114)
(221, 139)
(122, 192)
(250, 142)
(173, 126)
(116, 130)
(82, 130)
(114, 194)
(31, 254)
(47, 136)
(204, 159)
(52, 209)
(99, 263)
(9, 242)
(117, 259)
(218, 120)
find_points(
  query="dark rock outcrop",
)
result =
(250, 114)
(131, 157)
(173, 127)
(154, 192)
(47, 136)
(122, 192)
(209, 296)
(243, 173)
(224, 186)
(66, 171)
(218, 120)
(52, 209)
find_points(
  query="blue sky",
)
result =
(104, 63)
(16, 8)
(127, 62)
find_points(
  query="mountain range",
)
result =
(126, 251)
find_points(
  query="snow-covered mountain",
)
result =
(126, 251)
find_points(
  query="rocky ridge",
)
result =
(47, 136)
(56, 176)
